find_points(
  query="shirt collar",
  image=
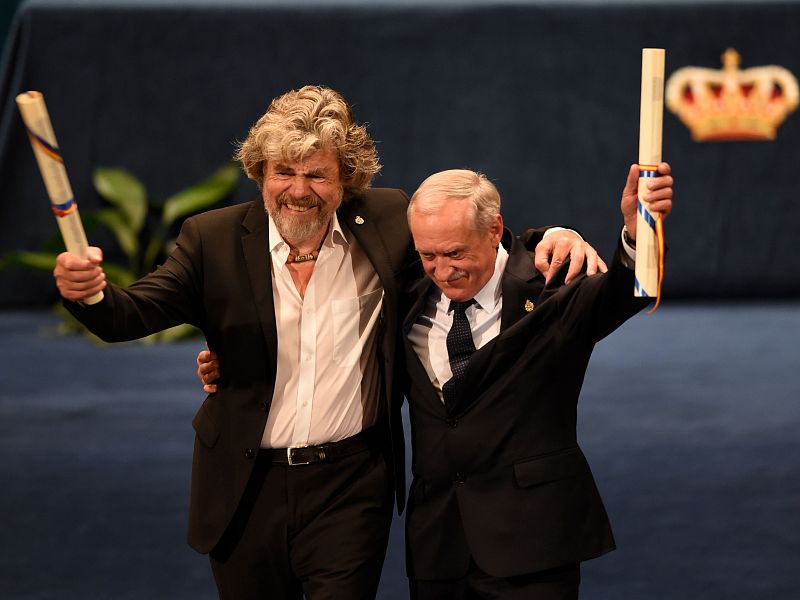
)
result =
(490, 294)
(279, 249)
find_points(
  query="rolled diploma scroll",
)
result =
(649, 239)
(51, 165)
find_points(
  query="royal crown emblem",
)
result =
(731, 104)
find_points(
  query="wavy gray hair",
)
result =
(303, 121)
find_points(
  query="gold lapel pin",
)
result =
(359, 220)
(528, 306)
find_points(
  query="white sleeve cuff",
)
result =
(629, 256)
(555, 229)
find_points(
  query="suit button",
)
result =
(249, 453)
(458, 478)
(263, 406)
(452, 423)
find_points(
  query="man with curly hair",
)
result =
(296, 460)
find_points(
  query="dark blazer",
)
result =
(218, 278)
(502, 478)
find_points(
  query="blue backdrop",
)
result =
(542, 97)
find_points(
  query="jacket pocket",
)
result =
(562, 464)
(207, 431)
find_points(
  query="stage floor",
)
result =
(690, 418)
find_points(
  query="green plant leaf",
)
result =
(43, 261)
(126, 235)
(55, 244)
(152, 251)
(125, 191)
(202, 195)
(69, 325)
(119, 275)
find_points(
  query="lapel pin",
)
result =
(359, 220)
(528, 306)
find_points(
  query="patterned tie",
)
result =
(460, 348)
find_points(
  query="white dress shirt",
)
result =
(327, 383)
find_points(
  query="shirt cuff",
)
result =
(629, 255)
(555, 229)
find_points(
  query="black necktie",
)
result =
(460, 348)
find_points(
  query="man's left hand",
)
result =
(555, 248)
(658, 197)
(208, 370)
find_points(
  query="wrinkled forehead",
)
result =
(308, 158)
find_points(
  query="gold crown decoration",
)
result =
(731, 104)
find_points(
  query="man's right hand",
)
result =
(80, 278)
(559, 245)
(208, 370)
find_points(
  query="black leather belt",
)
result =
(331, 451)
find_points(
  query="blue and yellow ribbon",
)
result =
(658, 228)
(43, 145)
(68, 207)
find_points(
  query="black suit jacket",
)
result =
(218, 279)
(502, 478)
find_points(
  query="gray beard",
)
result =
(297, 231)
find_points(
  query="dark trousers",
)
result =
(319, 530)
(561, 583)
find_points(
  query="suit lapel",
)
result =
(255, 247)
(355, 214)
(416, 370)
(419, 293)
(521, 284)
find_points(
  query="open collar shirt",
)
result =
(327, 385)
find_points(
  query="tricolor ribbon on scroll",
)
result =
(51, 165)
(649, 228)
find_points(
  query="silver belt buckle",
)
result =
(290, 459)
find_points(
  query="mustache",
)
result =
(456, 275)
(308, 201)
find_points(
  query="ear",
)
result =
(496, 230)
(410, 214)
